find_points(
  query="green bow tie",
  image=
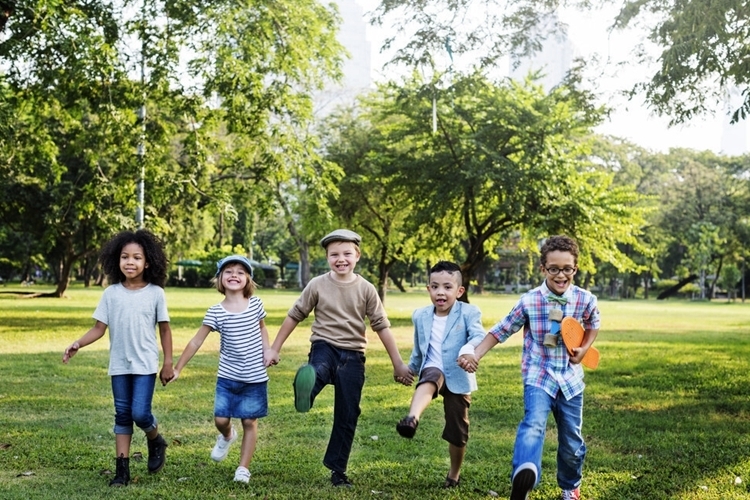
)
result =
(551, 297)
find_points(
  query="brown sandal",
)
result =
(407, 427)
(451, 483)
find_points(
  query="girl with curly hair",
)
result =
(131, 307)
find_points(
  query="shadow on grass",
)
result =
(660, 423)
(671, 427)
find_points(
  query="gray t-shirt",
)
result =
(131, 316)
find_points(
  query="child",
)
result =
(241, 386)
(440, 332)
(341, 300)
(131, 306)
(553, 380)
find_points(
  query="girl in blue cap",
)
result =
(241, 386)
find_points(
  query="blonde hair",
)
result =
(250, 286)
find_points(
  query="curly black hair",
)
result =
(560, 243)
(153, 250)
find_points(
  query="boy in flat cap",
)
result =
(341, 300)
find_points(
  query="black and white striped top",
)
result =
(241, 346)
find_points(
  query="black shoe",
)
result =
(523, 482)
(339, 479)
(407, 427)
(157, 453)
(122, 472)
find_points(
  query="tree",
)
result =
(70, 131)
(505, 157)
(704, 52)
(368, 143)
(647, 173)
(483, 30)
(69, 78)
(702, 208)
(703, 44)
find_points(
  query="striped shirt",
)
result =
(547, 367)
(241, 345)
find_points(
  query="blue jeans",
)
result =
(571, 449)
(345, 370)
(133, 395)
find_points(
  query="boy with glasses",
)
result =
(553, 380)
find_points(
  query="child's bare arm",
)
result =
(271, 356)
(588, 339)
(266, 345)
(95, 333)
(401, 372)
(165, 334)
(190, 349)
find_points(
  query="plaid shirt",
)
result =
(548, 367)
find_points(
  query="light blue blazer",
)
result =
(463, 326)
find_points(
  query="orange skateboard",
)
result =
(572, 335)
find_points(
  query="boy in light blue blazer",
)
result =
(443, 332)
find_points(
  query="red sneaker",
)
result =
(571, 494)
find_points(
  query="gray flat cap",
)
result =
(341, 235)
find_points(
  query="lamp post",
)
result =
(142, 164)
(141, 151)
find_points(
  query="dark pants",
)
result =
(345, 370)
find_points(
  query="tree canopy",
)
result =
(219, 106)
(701, 45)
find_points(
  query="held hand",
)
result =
(175, 376)
(166, 374)
(271, 357)
(468, 362)
(578, 354)
(403, 375)
(70, 351)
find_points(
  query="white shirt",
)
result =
(434, 352)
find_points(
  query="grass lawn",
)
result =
(666, 415)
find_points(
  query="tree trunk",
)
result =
(398, 282)
(716, 278)
(676, 288)
(466, 278)
(304, 263)
(481, 275)
(382, 283)
(62, 285)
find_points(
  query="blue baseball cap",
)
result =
(231, 259)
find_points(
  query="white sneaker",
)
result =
(242, 475)
(221, 448)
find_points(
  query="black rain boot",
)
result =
(157, 455)
(122, 472)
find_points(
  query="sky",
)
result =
(630, 119)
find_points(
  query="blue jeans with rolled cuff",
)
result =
(571, 449)
(133, 395)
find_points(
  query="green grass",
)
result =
(666, 414)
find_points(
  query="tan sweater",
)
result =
(340, 311)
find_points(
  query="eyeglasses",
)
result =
(567, 271)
